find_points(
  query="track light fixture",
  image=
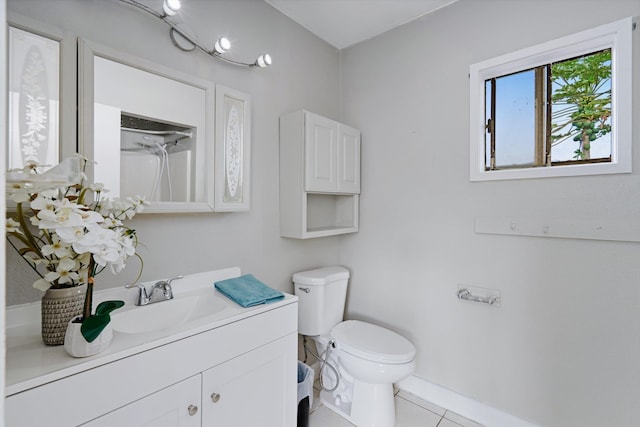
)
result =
(170, 7)
(184, 39)
(222, 45)
(263, 61)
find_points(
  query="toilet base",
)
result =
(373, 405)
(341, 408)
(361, 403)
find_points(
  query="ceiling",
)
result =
(343, 23)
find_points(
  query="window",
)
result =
(557, 109)
(553, 114)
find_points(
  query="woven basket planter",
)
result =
(59, 306)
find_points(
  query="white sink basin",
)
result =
(166, 314)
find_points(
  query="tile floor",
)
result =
(411, 411)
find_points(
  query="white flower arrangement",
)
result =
(70, 234)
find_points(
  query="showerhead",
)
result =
(136, 138)
(150, 140)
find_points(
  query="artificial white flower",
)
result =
(13, 226)
(97, 187)
(18, 193)
(110, 222)
(67, 214)
(41, 203)
(64, 273)
(52, 219)
(57, 248)
(70, 234)
(42, 285)
(81, 232)
(84, 260)
(89, 216)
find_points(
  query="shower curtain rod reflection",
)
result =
(186, 134)
(153, 148)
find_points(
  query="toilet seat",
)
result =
(372, 342)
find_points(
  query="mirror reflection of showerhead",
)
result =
(150, 140)
(135, 138)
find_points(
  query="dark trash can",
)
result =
(305, 393)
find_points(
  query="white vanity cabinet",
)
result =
(319, 176)
(175, 406)
(249, 390)
(235, 367)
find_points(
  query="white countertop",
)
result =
(30, 363)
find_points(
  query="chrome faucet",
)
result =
(147, 297)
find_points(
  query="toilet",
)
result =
(365, 359)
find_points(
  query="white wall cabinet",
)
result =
(332, 155)
(319, 176)
(348, 159)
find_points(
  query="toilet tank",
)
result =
(321, 296)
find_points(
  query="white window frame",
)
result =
(617, 36)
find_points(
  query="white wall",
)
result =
(304, 75)
(3, 165)
(563, 349)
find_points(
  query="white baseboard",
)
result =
(461, 405)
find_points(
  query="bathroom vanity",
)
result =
(199, 359)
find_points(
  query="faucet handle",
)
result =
(165, 286)
(167, 289)
(174, 278)
(143, 297)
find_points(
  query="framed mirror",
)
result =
(233, 150)
(149, 129)
(34, 99)
(41, 78)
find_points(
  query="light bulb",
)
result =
(263, 60)
(171, 7)
(222, 45)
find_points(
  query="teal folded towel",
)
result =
(248, 291)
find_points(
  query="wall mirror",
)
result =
(41, 81)
(34, 94)
(233, 147)
(149, 129)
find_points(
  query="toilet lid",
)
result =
(372, 342)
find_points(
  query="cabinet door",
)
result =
(348, 160)
(175, 406)
(320, 146)
(258, 388)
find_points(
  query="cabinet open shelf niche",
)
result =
(329, 214)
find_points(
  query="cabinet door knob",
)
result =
(193, 409)
(215, 397)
